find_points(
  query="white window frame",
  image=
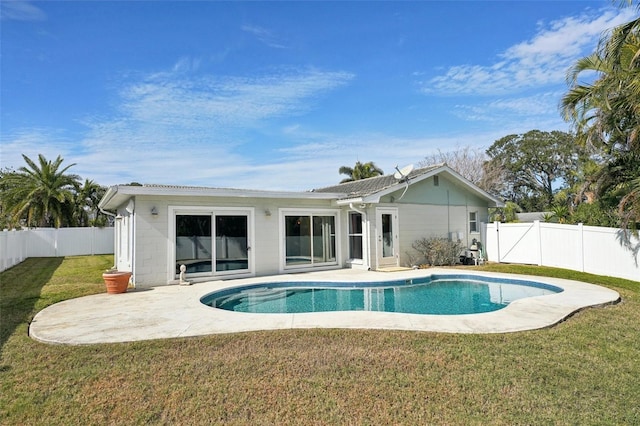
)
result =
(352, 260)
(282, 213)
(173, 211)
(474, 221)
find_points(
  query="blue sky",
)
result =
(279, 95)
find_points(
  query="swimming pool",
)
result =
(449, 294)
(174, 311)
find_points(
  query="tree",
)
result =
(606, 116)
(472, 164)
(534, 165)
(86, 199)
(40, 194)
(360, 171)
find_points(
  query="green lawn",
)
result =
(585, 370)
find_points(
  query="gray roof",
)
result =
(367, 190)
(364, 187)
(531, 216)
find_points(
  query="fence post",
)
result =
(498, 241)
(581, 244)
(4, 255)
(536, 224)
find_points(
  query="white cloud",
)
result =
(264, 35)
(32, 142)
(19, 10)
(207, 103)
(540, 61)
(542, 105)
(187, 64)
(177, 128)
(115, 154)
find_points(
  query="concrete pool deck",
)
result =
(176, 311)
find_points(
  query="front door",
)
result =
(387, 240)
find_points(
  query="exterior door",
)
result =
(387, 241)
(213, 243)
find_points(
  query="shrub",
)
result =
(436, 251)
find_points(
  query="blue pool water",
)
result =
(436, 295)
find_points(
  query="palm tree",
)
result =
(40, 194)
(629, 207)
(606, 115)
(86, 211)
(360, 171)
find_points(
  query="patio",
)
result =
(175, 311)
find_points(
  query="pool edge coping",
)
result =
(176, 311)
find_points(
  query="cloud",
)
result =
(206, 103)
(264, 36)
(180, 128)
(115, 153)
(18, 10)
(187, 64)
(501, 109)
(314, 158)
(542, 60)
(31, 142)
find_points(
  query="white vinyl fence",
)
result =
(16, 246)
(592, 249)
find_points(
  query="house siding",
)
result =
(153, 265)
(424, 210)
(440, 211)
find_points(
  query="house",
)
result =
(220, 233)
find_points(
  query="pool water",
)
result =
(453, 295)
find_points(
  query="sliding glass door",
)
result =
(193, 243)
(309, 240)
(232, 243)
(212, 244)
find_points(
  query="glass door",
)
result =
(309, 240)
(193, 243)
(232, 243)
(387, 237)
(212, 243)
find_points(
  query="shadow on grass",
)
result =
(20, 289)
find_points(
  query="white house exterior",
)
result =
(232, 233)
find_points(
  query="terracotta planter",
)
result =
(116, 281)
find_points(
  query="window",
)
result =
(436, 180)
(387, 235)
(355, 235)
(473, 222)
(310, 240)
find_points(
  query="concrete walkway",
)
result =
(175, 311)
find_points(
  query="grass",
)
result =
(582, 371)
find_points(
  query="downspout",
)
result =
(365, 242)
(448, 214)
(115, 240)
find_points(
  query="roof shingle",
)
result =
(364, 187)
